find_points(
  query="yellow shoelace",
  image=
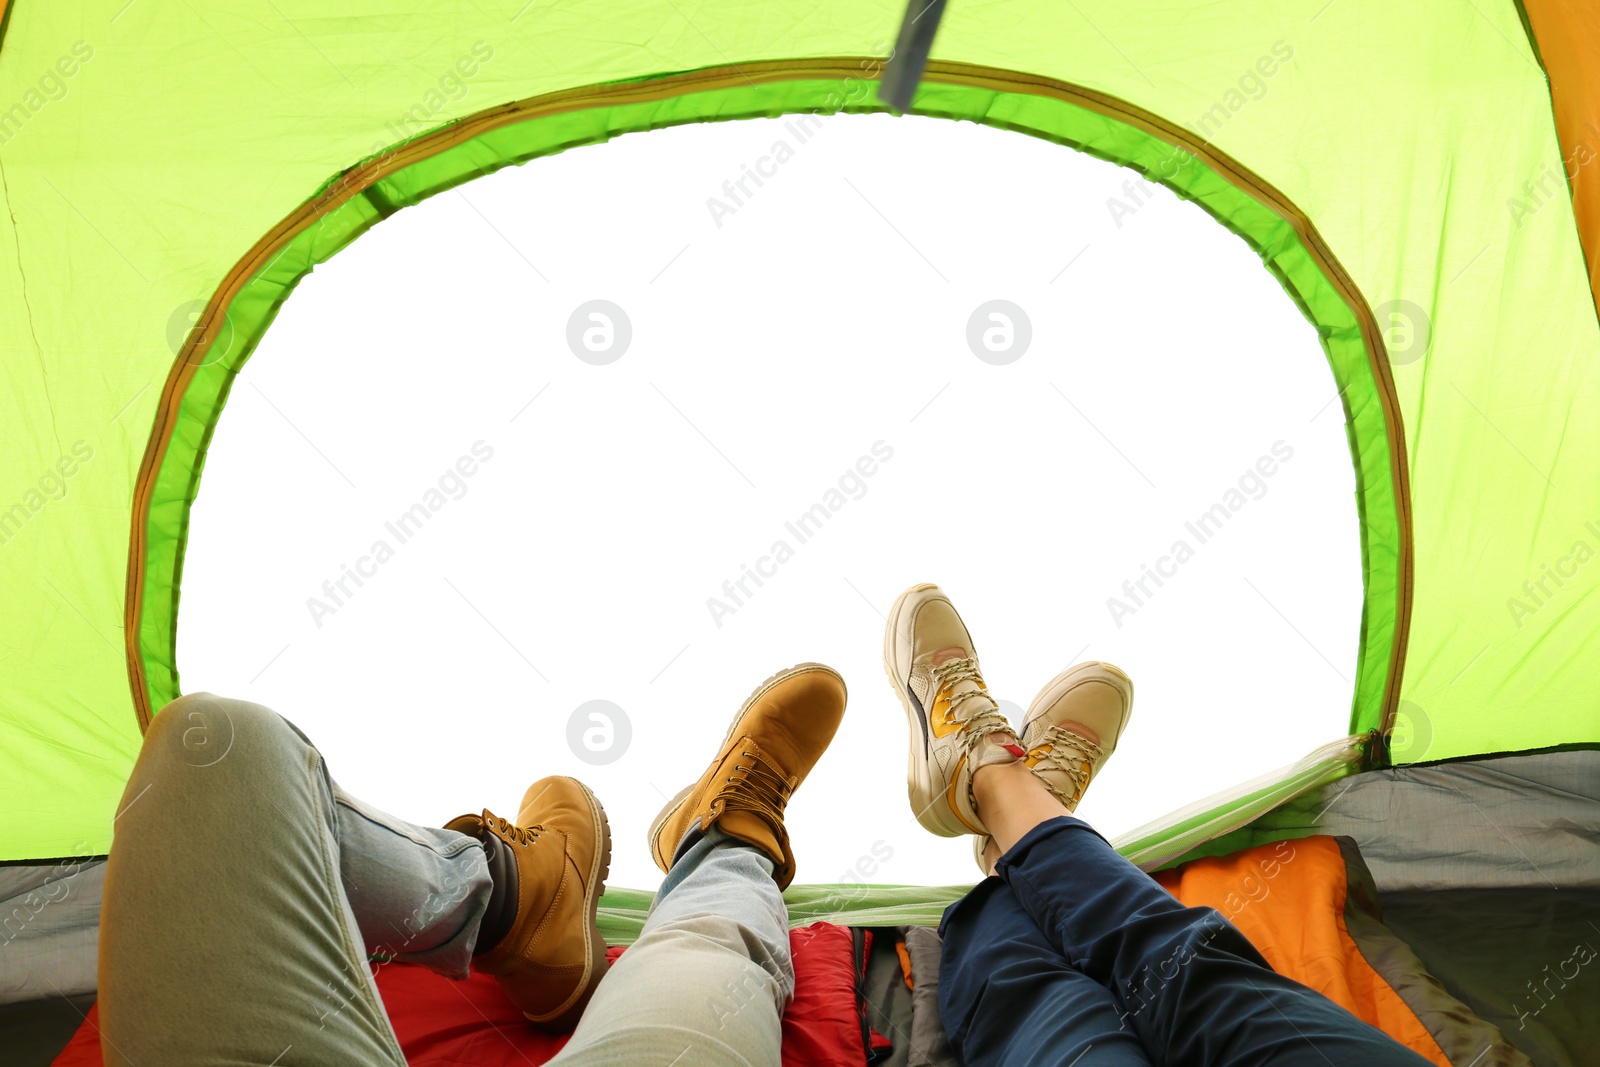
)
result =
(522, 834)
(755, 786)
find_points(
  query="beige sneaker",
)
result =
(1096, 695)
(956, 726)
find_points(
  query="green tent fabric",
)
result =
(1417, 175)
(1391, 164)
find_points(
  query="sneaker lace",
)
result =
(985, 719)
(1072, 755)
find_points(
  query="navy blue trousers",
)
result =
(1072, 956)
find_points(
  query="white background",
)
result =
(827, 312)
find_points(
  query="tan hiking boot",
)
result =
(552, 957)
(777, 737)
(956, 726)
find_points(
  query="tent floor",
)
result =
(1488, 945)
(34, 1032)
(1517, 937)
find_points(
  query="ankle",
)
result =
(996, 750)
(989, 780)
(999, 749)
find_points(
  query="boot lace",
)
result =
(523, 835)
(753, 785)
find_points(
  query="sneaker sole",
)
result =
(671, 810)
(924, 800)
(564, 1018)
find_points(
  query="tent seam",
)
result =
(360, 181)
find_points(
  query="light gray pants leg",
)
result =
(244, 890)
(707, 980)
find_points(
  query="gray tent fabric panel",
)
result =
(33, 1033)
(1466, 1039)
(930, 1046)
(1526, 960)
(49, 928)
(1508, 822)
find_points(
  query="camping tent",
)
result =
(1420, 177)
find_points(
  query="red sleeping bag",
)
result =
(442, 1023)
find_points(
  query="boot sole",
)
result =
(669, 812)
(931, 806)
(566, 1017)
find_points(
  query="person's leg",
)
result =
(1008, 999)
(1186, 980)
(245, 884)
(1006, 996)
(225, 933)
(1216, 1000)
(707, 980)
(418, 893)
(1063, 750)
(513, 899)
(709, 976)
